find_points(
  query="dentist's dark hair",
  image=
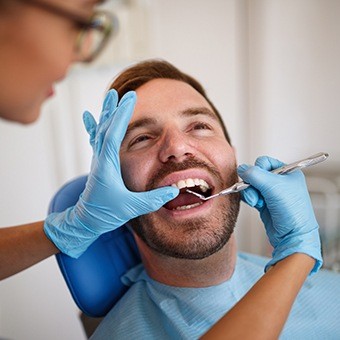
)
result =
(139, 74)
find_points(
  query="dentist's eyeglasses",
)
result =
(94, 32)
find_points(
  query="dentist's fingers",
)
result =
(268, 163)
(115, 129)
(97, 131)
(251, 196)
(90, 126)
(153, 200)
(109, 105)
(256, 176)
(120, 121)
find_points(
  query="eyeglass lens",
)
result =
(93, 38)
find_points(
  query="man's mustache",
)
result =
(189, 163)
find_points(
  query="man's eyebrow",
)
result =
(140, 123)
(194, 111)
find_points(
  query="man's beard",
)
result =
(195, 238)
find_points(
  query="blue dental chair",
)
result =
(94, 278)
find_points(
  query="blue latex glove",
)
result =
(285, 209)
(106, 203)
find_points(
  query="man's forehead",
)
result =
(168, 94)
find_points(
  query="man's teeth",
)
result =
(191, 182)
(185, 207)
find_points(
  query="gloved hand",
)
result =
(106, 203)
(285, 209)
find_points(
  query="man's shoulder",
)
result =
(324, 276)
(126, 318)
(318, 303)
(323, 283)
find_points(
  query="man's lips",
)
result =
(192, 174)
(185, 200)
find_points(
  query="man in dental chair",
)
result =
(191, 273)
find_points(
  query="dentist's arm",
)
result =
(286, 211)
(23, 246)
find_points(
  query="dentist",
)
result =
(39, 40)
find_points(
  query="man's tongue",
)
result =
(184, 198)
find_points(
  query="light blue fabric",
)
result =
(150, 310)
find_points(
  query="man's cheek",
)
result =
(126, 175)
(131, 176)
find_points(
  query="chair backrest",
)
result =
(94, 278)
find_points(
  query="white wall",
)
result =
(295, 77)
(271, 67)
(294, 82)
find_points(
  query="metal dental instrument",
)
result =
(304, 163)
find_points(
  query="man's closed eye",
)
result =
(201, 129)
(139, 139)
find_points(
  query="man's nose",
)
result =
(175, 147)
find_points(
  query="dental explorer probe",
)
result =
(304, 163)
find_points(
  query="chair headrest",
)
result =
(94, 278)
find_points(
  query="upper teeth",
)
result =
(191, 182)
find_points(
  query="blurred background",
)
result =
(270, 66)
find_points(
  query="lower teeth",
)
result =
(185, 207)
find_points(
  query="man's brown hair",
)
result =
(139, 74)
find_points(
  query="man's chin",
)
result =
(193, 239)
(188, 236)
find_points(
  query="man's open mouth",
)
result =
(185, 200)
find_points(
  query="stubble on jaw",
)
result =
(195, 238)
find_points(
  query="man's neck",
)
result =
(209, 271)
